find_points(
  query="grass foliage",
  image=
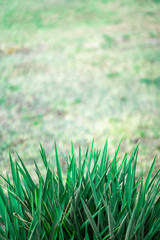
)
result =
(96, 199)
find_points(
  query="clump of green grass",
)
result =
(95, 199)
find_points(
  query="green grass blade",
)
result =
(91, 220)
(43, 155)
(58, 167)
(146, 185)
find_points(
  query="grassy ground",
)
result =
(77, 70)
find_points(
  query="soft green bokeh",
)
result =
(77, 70)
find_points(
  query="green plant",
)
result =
(95, 199)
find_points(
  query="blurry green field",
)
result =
(74, 70)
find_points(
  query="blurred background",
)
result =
(78, 69)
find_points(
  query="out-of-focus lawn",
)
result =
(78, 69)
